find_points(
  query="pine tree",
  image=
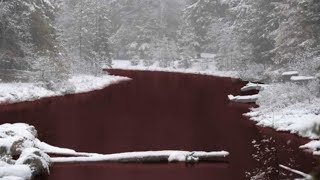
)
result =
(27, 36)
(200, 15)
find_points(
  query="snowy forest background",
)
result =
(50, 39)
(48, 42)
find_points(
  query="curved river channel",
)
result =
(161, 111)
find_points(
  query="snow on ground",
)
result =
(18, 92)
(290, 107)
(196, 68)
(86, 83)
(299, 118)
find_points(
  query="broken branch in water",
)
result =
(306, 176)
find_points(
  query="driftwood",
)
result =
(253, 86)
(244, 99)
(304, 175)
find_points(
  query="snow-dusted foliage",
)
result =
(281, 95)
(27, 32)
(290, 107)
(85, 31)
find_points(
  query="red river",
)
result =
(161, 111)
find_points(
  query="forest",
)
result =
(44, 40)
(246, 65)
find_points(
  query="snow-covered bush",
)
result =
(184, 63)
(253, 72)
(135, 61)
(282, 95)
(148, 62)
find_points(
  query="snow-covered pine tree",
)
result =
(28, 38)
(85, 31)
(297, 38)
(199, 16)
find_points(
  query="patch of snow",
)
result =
(290, 107)
(299, 118)
(15, 172)
(20, 135)
(208, 55)
(196, 68)
(19, 92)
(49, 3)
(86, 83)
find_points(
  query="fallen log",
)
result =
(244, 99)
(147, 156)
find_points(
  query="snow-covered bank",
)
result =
(301, 118)
(209, 68)
(18, 92)
(290, 107)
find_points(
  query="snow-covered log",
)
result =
(287, 75)
(33, 159)
(244, 99)
(148, 156)
(302, 78)
(253, 86)
(313, 146)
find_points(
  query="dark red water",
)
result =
(161, 111)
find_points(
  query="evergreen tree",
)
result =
(200, 15)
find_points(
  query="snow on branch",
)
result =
(244, 99)
(253, 86)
